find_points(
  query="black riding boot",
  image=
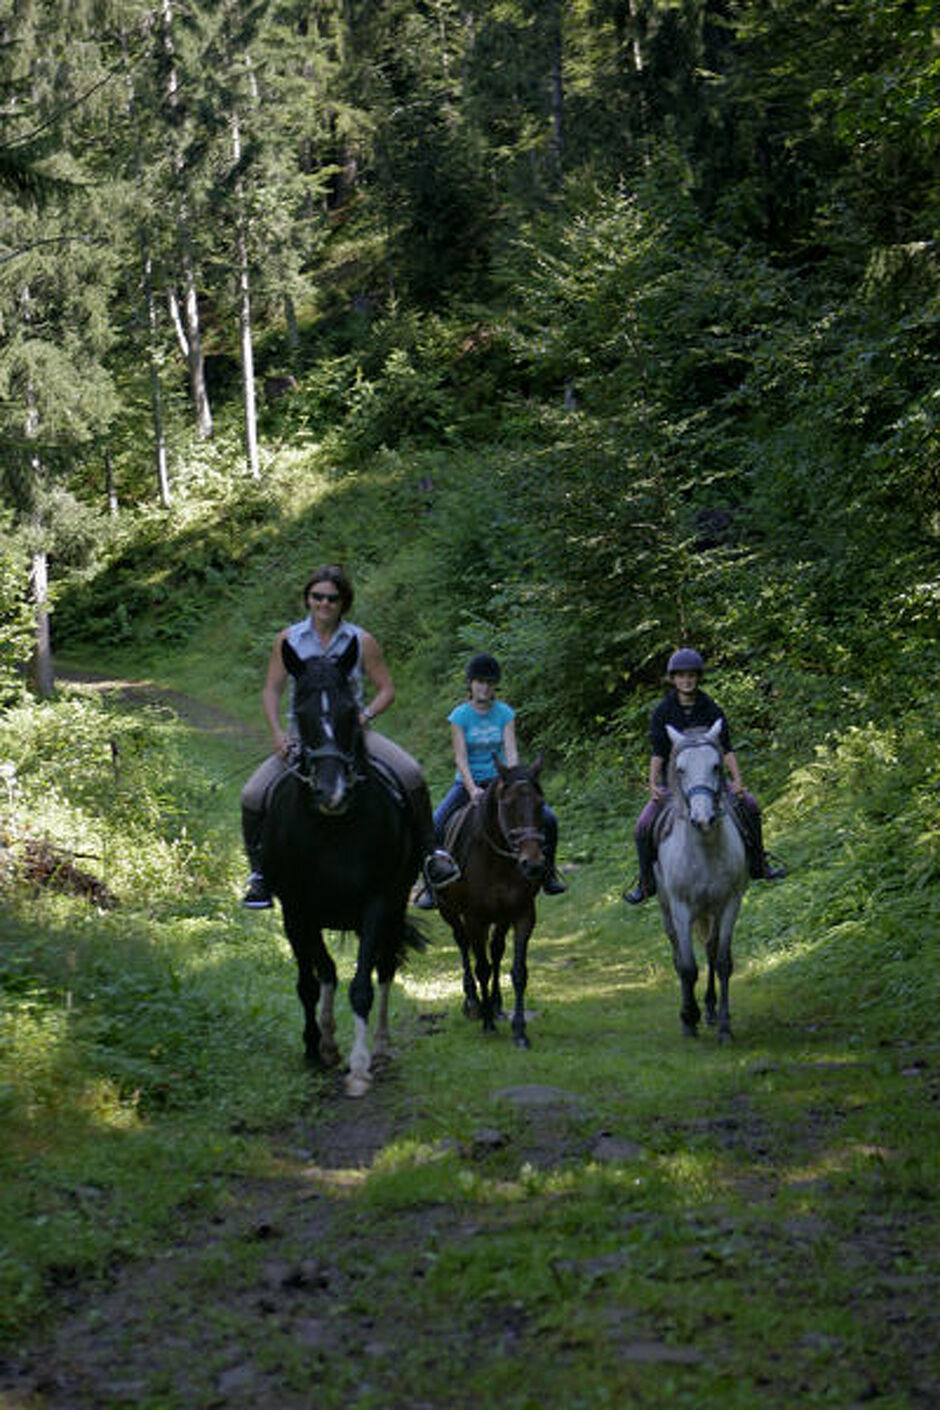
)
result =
(553, 884)
(257, 897)
(646, 884)
(751, 827)
(437, 865)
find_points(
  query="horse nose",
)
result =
(333, 799)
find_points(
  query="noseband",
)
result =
(514, 836)
(698, 788)
(307, 756)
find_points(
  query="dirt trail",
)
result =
(194, 712)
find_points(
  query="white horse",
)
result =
(701, 871)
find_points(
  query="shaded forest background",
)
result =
(577, 330)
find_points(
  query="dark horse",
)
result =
(701, 871)
(499, 844)
(340, 853)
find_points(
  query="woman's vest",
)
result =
(305, 641)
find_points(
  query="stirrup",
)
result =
(257, 897)
(440, 870)
(424, 899)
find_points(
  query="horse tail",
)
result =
(413, 939)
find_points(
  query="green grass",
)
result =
(766, 1234)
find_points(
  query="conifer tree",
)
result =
(56, 396)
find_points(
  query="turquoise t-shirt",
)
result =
(484, 736)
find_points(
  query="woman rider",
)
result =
(686, 706)
(325, 632)
(480, 727)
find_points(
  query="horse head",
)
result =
(518, 801)
(327, 716)
(696, 773)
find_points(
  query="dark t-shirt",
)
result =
(702, 713)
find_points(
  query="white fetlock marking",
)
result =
(359, 1062)
(382, 1044)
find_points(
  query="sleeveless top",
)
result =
(303, 638)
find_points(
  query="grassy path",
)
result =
(617, 1217)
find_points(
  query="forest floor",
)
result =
(322, 1302)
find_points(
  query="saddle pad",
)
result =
(457, 831)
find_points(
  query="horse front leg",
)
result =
(497, 950)
(520, 975)
(477, 936)
(312, 959)
(724, 963)
(361, 994)
(711, 950)
(382, 1038)
(326, 1017)
(677, 918)
(471, 999)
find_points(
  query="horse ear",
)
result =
(674, 735)
(537, 764)
(292, 661)
(714, 734)
(350, 656)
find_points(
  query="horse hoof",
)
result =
(471, 1008)
(521, 1040)
(689, 1030)
(357, 1086)
(725, 1035)
(329, 1055)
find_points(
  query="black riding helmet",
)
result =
(483, 667)
(685, 659)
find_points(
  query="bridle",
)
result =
(714, 793)
(303, 763)
(514, 836)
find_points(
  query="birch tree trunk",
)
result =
(156, 390)
(41, 672)
(193, 342)
(557, 88)
(40, 666)
(244, 317)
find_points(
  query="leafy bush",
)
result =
(111, 788)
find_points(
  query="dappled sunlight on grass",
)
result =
(45, 1096)
(836, 1161)
(433, 988)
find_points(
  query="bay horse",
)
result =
(701, 871)
(340, 853)
(499, 845)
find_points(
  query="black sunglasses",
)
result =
(325, 596)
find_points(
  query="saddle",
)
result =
(740, 814)
(390, 781)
